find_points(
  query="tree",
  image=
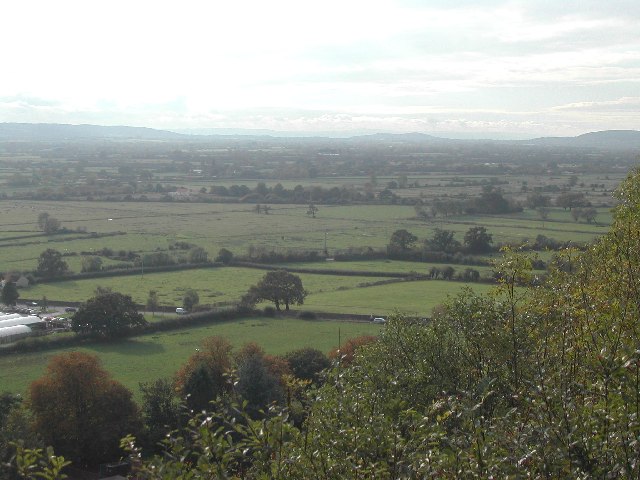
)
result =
(256, 383)
(402, 240)
(571, 200)
(190, 299)
(204, 376)
(44, 304)
(109, 315)
(448, 272)
(51, 264)
(91, 264)
(543, 212)
(225, 256)
(15, 431)
(279, 287)
(80, 410)
(312, 210)
(442, 241)
(152, 302)
(537, 200)
(589, 214)
(198, 255)
(346, 353)
(160, 410)
(9, 293)
(307, 363)
(48, 224)
(477, 240)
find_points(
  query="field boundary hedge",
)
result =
(129, 271)
(328, 271)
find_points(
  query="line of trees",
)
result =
(476, 241)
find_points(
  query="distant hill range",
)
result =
(608, 139)
(56, 132)
(53, 132)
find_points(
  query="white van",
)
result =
(180, 311)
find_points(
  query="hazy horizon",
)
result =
(503, 69)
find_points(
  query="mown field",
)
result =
(160, 355)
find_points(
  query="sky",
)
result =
(458, 68)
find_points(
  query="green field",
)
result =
(327, 293)
(417, 297)
(214, 285)
(152, 226)
(149, 357)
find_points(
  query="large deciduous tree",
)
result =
(258, 382)
(307, 363)
(51, 264)
(109, 314)
(477, 240)
(442, 241)
(402, 240)
(80, 410)
(279, 287)
(204, 376)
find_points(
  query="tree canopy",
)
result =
(108, 314)
(51, 264)
(279, 287)
(477, 240)
(47, 223)
(9, 294)
(203, 377)
(402, 240)
(190, 299)
(442, 241)
(81, 410)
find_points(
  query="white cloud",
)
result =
(379, 62)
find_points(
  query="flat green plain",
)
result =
(150, 226)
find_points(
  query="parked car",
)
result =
(379, 320)
(70, 309)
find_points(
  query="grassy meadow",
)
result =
(159, 355)
(147, 227)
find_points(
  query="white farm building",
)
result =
(16, 332)
(13, 327)
(20, 320)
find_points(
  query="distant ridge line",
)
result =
(608, 139)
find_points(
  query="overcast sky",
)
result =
(523, 68)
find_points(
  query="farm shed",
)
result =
(11, 334)
(9, 316)
(30, 320)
